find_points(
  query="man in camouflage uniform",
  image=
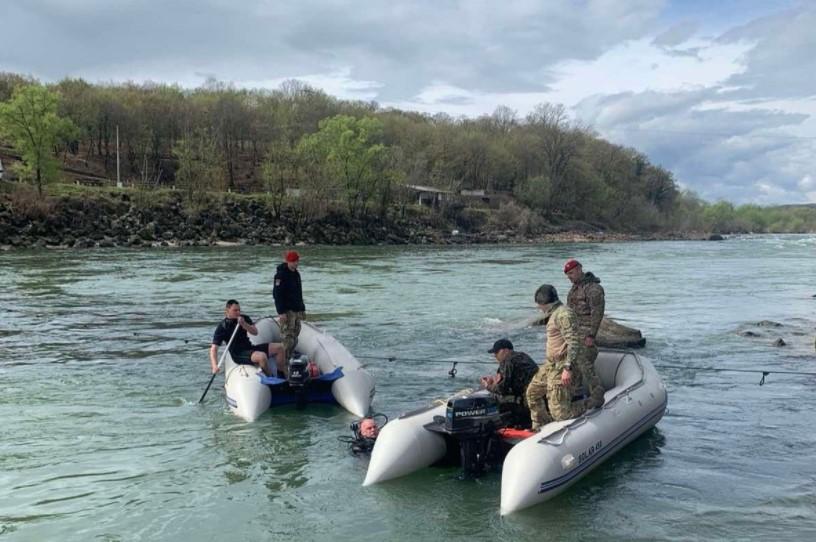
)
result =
(586, 299)
(509, 384)
(557, 379)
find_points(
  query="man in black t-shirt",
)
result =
(241, 349)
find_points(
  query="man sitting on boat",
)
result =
(241, 349)
(509, 384)
(559, 379)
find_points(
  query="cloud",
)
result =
(480, 45)
(677, 34)
(721, 94)
(720, 153)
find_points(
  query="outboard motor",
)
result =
(472, 421)
(298, 378)
(298, 375)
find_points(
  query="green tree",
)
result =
(351, 155)
(281, 169)
(200, 165)
(31, 122)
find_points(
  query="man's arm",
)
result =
(597, 304)
(214, 358)
(246, 323)
(279, 294)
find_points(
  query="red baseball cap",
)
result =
(571, 264)
(292, 256)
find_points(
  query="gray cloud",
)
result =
(718, 153)
(783, 61)
(677, 34)
(478, 45)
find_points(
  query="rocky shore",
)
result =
(126, 220)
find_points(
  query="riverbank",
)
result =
(120, 218)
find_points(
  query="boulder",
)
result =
(613, 334)
(779, 342)
(716, 237)
(768, 323)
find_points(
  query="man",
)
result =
(509, 384)
(241, 349)
(586, 299)
(559, 378)
(288, 294)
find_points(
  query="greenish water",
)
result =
(101, 438)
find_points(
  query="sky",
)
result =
(722, 93)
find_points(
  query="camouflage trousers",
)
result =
(549, 400)
(290, 330)
(595, 389)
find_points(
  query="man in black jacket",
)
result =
(288, 294)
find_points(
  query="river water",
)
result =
(102, 439)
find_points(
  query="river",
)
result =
(102, 438)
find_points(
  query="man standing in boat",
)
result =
(557, 380)
(241, 349)
(288, 294)
(509, 384)
(587, 299)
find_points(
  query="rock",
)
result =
(749, 334)
(716, 237)
(768, 323)
(613, 335)
(779, 342)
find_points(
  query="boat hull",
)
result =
(545, 464)
(248, 397)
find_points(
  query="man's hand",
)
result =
(215, 368)
(282, 317)
(566, 377)
(589, 340)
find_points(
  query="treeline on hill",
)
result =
(310, 151)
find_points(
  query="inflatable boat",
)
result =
(341, 380)
(535, 466)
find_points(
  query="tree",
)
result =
(31, 122)
(281, 170)
(350, 155)
(200, 165)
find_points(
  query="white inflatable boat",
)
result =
(249, 393)
(539, 465)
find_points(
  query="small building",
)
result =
(430, 196)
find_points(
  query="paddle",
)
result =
(220, 362)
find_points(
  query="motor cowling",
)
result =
(298, 373)
(471, 422)
(469, 415)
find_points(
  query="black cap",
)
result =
(546, 294)
(498, 345)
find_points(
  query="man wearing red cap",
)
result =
(288, 294)
(587, 299)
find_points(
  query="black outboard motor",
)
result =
(298, 374)
(298, 378)
(472, 421)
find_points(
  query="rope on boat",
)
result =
(452, 372)
(764, 372)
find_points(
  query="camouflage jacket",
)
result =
(587, 299)
(563, 340)
(516, 372)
